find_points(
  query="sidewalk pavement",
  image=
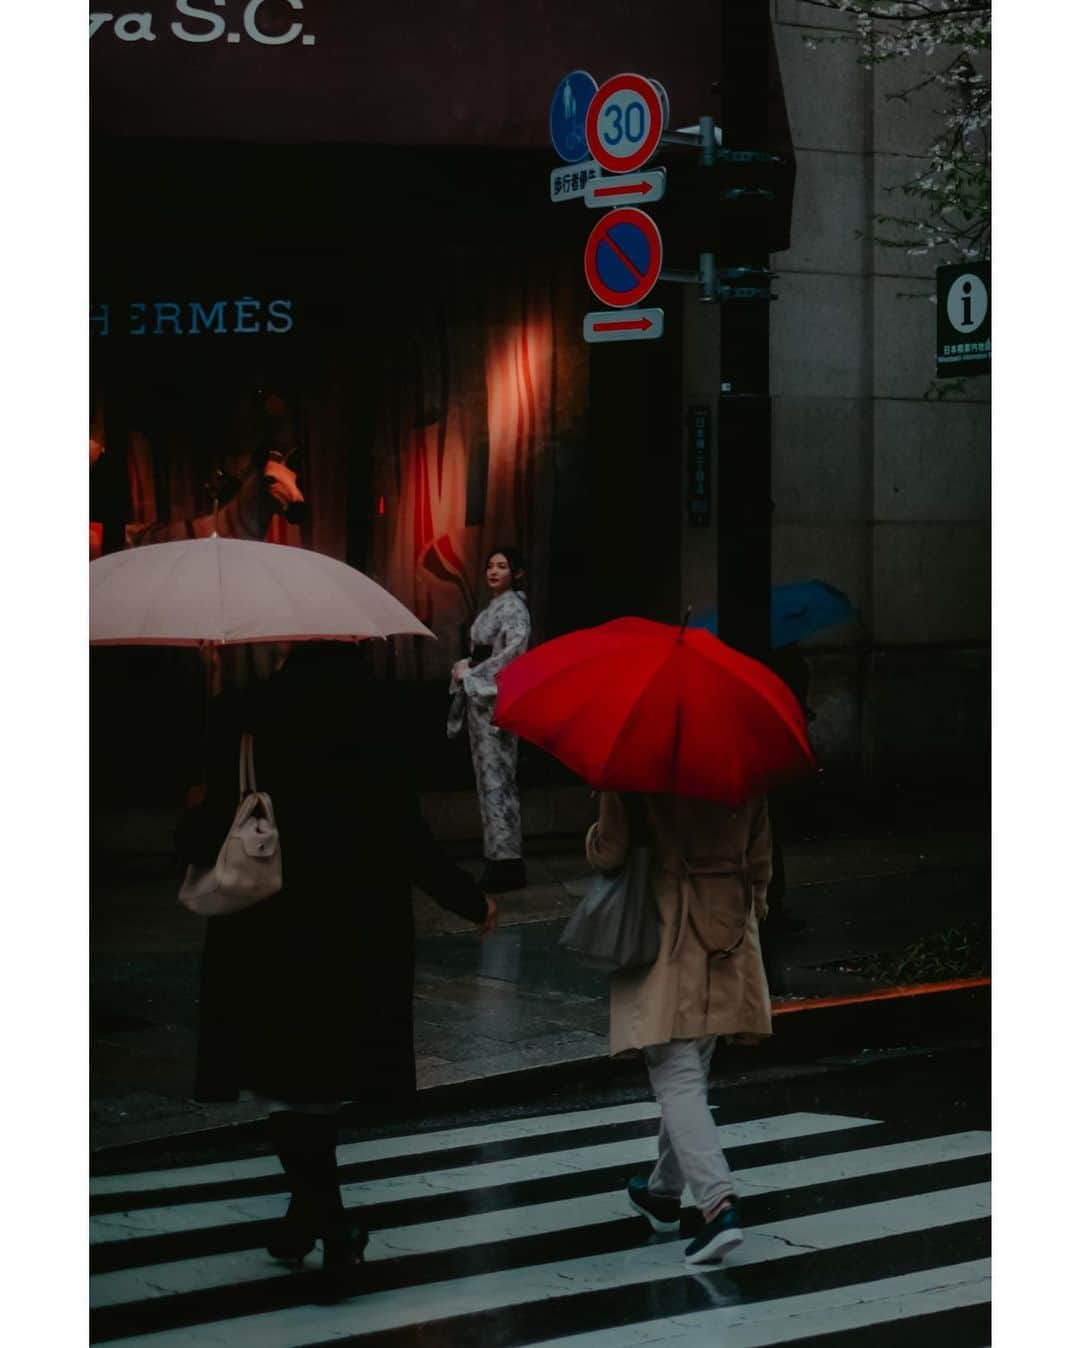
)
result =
(503, 1005)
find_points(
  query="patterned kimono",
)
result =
(504, 626)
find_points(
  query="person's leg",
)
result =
(305, 1143)
(690, 1146)
(666, 1180)
(495, 766)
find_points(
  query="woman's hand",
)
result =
(492, 919)
(458, 672)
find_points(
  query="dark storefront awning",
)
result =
(465, 73)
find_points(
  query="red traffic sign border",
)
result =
(599, 234)
(647, 92)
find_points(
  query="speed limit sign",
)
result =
(624, 123)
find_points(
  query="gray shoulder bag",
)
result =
(616, 926)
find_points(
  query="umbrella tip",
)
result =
(686, 618)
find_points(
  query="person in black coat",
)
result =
(306, 997)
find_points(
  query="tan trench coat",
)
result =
(710, 869)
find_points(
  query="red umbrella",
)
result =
(635, 705)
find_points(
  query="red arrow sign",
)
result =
(633, 325)
(623, 190)
(643, 324)
(646, 187)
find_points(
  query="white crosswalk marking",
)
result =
(384, 1311)
(186, 1275)
(439, 1254)
(196, 1216)
(382, 1149)
(779, 1321)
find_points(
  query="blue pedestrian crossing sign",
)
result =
(566, 120)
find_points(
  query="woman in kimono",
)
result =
(499, 634)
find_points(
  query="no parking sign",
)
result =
(623, 257)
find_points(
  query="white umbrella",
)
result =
(222, 591)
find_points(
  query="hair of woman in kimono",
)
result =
(514, 560)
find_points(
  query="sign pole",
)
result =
(744, 414)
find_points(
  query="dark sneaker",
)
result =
(719, 1236)
(663, 1213)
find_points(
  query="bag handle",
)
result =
(247, 764)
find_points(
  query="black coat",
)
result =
(308, 995)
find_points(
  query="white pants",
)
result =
(690, 1152)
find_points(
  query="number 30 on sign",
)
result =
(624, 123)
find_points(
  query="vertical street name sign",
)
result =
(699, 466)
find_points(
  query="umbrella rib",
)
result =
(633, 707)
(365, 627)
(676, 742)
(763, 689)
(569, 670)
(678, 714)
(165, 611)
(286, 595)
(165, 580)
(221, 589)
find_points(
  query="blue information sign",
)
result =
(567, 117)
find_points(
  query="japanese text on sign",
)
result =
(570, 183)
(699, 467)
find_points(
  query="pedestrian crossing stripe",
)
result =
(380, 1149)
(787, 1318)
(187, 1275)
(149, 1302)
(458, 1179)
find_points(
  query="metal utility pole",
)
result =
(743, 493)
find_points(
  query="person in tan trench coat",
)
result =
(710, 871)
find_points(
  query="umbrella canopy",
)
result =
(222, 591)
(635, 705)
(797, 610)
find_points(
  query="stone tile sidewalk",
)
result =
(508, 1003)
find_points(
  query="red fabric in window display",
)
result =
(472, 406)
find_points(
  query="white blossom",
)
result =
(953, 191)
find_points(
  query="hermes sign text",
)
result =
(159, 318)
